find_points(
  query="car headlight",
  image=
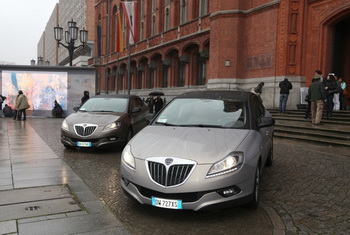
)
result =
(128, 158)
(65, 125)
(229, 164)
(112, 126)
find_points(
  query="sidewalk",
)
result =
(40, 194)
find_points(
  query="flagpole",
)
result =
(117, 75)
(129, 72)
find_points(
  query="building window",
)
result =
(153, 27)
(165, 76)
(167, 2)
(139, 80)
(182, 71)
(151, 78)
(183, 12)
(142, 9)
(167, 19)
(202, 70)
(142, 31)
(204, 7)
(154, 6)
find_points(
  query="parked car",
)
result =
(104, 121)
(204, 150)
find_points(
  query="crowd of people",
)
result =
(154, 104)
(325, 93)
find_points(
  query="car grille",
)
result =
(85, 130)
(175, 175)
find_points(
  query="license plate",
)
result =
(166, 203)
(84, 144)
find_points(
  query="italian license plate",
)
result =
(84, 144)
(167, 203)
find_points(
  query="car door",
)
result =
(265, 132)
(138, 112)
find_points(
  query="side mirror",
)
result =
(266, 122)
(76, 109)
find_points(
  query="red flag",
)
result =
(130, 9)
(119, 36)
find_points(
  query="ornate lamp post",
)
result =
(70, 36)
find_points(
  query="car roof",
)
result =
(218, 94)
(115, 96)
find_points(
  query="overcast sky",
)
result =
(22, 23)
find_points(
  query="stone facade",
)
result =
(228, 45)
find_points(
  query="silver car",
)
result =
(204, 150)
(105, 121)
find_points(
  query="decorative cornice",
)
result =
(261, 7)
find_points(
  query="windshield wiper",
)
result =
(103, 111)
(166, 124)
(203, 125)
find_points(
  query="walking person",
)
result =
(150, 103)
(21, 106)
(158, 104)
(318, 97)
(336, 101)
(342, 93)
(330, 87)
(85, 97)
(285, 87)
(16, 108)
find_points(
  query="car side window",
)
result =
(136, 103)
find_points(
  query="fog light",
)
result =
(228, 192)
(125, 181)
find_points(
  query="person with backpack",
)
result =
(21, 106)
(285, 87)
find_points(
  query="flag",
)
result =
(130, 9)
(119, 34)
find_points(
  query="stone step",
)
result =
(344, 136)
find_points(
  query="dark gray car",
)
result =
(203, 150)
(105, 121)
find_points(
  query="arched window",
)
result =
(204, 7)
(142, 30)
(167, 19)
(154, 6)
(142, 9)
(183, 12)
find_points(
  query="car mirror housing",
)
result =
(266, 122)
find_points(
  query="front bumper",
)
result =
(195, 193)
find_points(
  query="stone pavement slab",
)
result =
(40, 194)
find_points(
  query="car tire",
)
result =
(269, 159)
(254, 203)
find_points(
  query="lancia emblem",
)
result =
(168, 161)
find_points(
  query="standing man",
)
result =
(85, 97)
(285, 87)
(150, 103)
(318, 73)
(317, 96)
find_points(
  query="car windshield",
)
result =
(221, 113)
(119, 105)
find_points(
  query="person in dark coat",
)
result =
(317, 96)
(285, 87)
(158, 104)
(150, 103)
(7, 111)
(85, 97)
(330, 87)
(57, 110)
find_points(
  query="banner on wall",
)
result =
(130, 9)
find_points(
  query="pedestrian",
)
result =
(7, 111)
(85, 97)
(318, 73)
(57, 111)
(158, 104)
(16, 108)
(330, 87)
(342, 93)
(150, 103)
(258, 90)
(336, 101)
(2, 99)
(318, 97)
(22, 105)
(285, 87)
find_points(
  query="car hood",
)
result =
(93, 118)
(204, 145)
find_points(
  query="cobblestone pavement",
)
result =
(308, 187)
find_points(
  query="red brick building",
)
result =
(187, 45)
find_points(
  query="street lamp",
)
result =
(70, 36)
